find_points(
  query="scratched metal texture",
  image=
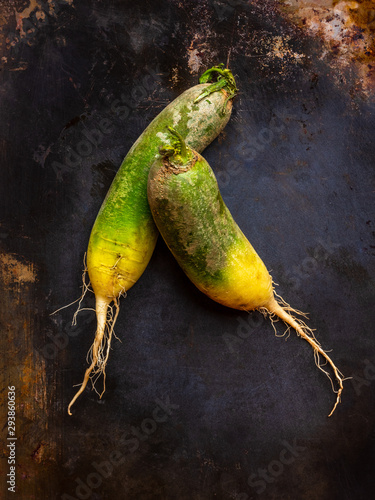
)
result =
(201, 402)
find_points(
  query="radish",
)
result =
(198, 228)
(124, 235)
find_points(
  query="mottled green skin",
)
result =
(124, 234)
(200, 231)
(193, 219)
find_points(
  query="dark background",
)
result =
(80, 82)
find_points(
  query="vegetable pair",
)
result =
(164, 172)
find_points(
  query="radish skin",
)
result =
(211, 249)
(124, 235)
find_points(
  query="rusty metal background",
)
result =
(202, 402)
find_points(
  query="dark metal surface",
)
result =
(201, 402)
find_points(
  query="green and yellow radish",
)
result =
(211, 249)
(124, 235)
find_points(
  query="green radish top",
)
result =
(225, 80)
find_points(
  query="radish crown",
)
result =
(175, 152)
(224, 80)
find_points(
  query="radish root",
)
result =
(85, 288)
(280, 309)
(99, 352)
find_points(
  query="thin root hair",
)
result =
(98, 353)
(85, 288)
(278, 307)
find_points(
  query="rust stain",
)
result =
(278, 48)
(20, 16)
(200, 52)
(12, 20)
(347, 30)
(174, 78)
(21, 67)
(40, 13)
(6, 13)
(38, 453)
(33, 387)
(13, 271)
(195, 53)
(194, 61)
(25, 369)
